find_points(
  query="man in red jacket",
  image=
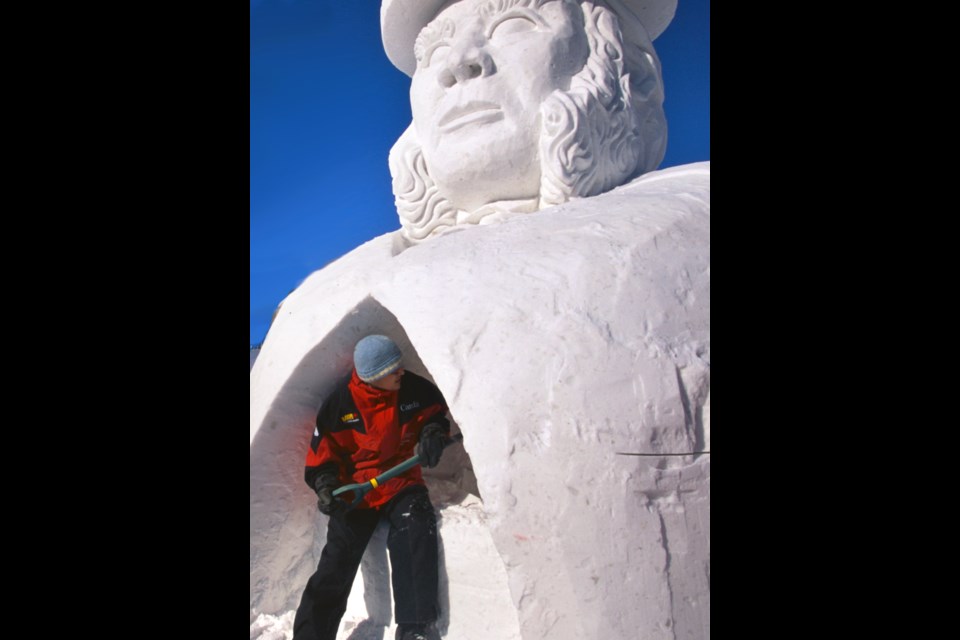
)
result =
(378, 418)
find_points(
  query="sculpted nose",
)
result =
(467, 70)
(466, 62)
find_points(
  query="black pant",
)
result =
(412, 543)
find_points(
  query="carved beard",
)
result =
(605, 130)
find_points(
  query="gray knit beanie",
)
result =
(376, 356)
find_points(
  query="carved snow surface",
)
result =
(560, 340)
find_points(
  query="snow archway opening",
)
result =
(287, 533)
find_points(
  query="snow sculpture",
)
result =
(519, 105)
(561, 340)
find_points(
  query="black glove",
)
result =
(430, 447)
(324, 486)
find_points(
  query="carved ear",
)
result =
(646, 96)
(645, 80)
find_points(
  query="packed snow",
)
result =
(561, 340)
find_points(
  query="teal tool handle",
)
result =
(361, 489)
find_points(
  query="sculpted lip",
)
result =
(472, 112)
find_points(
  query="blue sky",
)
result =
(326, 106)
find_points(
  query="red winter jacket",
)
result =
(362, 431)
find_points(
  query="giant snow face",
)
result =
(561, 341)
(519, 106)
(477, 92)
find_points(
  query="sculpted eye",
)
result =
(437, 54)
(432, 37)
(510, 24)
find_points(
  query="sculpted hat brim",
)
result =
(402, 20)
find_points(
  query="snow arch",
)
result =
(286, 532)
(560, 342)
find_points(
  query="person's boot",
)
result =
(412, 632)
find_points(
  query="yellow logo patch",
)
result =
(348, 417)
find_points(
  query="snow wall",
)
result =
(561, 340)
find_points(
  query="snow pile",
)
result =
(561, 340)
(269, 627)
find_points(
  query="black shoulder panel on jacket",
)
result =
(339, 412)
(417, 393)
(423, 386)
